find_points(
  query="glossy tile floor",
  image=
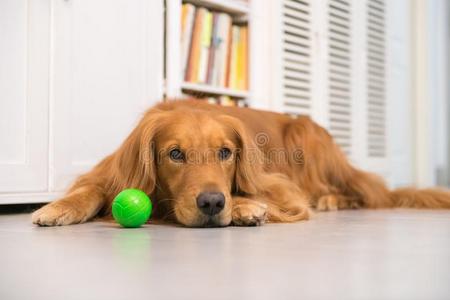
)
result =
(397, 254)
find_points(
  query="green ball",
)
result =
(131, 208)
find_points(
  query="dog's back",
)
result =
(323, 170)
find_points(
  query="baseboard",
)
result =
(23, 198)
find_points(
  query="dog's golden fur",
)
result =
(279, 168)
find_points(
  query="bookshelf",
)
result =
(175, 85)
(235, 7)
(213, 90)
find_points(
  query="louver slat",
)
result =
(339, 78)
(296, 57)
(375, 78)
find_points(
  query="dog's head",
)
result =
(191, 161)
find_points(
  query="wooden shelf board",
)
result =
(230, 6)
(212, 90)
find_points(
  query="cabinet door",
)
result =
(24, 81)
(108, 57)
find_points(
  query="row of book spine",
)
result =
(214, 51)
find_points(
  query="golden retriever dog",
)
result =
(208, 165)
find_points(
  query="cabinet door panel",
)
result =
(107, 71)
(24, 81)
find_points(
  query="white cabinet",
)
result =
(24, 81)
(107, 71)
(75, 76)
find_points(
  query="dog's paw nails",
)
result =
(56, 215)
(249, 214)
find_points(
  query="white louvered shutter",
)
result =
(296, 57)
(376, 92)
(333, 68)
(339, 73)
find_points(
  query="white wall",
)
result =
(439, 81)
(430, 91)
(448, 93)
(410, 126)
(263, 59)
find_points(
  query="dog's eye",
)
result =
(176, 155)
(224, 153)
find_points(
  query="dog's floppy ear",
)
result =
(135, 161)
(249, 159)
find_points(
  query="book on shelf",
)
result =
(242, 78)
(211, 50)
(191, 74)
(205, 44)
(214, 51)
(187, 24)
(234, 60)
(219, 51)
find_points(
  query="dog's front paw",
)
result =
(249, 214)
(56, 214)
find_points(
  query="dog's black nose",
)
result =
(210, 203)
